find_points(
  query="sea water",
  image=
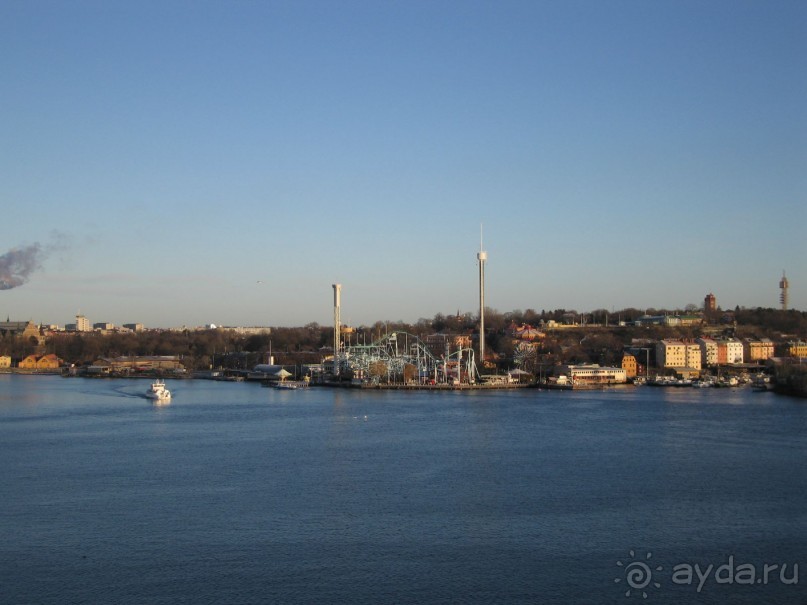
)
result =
(233, 493)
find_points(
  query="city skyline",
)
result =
(192, 163)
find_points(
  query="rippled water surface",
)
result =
(235, 493)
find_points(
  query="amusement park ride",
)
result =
(403, 358)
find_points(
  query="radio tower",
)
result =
(482, 256)
(783, 285)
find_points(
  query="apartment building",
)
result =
(730, 350)
(672, 353)
(708, 348)
(796, 349)
(757, 350)
(82, 324)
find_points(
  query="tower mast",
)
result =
(481, 256)
(337, 325)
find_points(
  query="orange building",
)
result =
(29, 363)
(630, 365)
(48, 362)
(44, 362)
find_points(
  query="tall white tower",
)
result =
(337, 325)
(481, 256)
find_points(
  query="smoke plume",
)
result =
(17, 264)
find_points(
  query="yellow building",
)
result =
(43, 362)
(5, 361)
(797, 349)
(758, 350)
(145, 363)
(29, 363)
(678, 354)
(48, 362)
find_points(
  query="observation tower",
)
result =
(481, 256)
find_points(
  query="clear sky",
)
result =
(191, 162)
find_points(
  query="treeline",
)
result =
(201, 349)
(790, 322)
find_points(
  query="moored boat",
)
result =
(289, 384)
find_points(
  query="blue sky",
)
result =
(195, 162)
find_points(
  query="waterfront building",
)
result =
(592, 374)
(729, 350)
(5, 361)
(757, 350)
(142, 363)
(672, 353)
(630, 365)
(40, 362)
(708, 348)
(48, 362)
(28, 363)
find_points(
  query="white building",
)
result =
(593, 374)
(82, 324)
(730, 351)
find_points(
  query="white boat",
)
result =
(158, 391)
(291, 384)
